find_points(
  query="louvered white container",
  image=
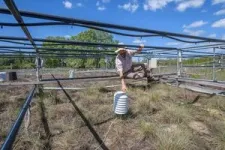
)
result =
(120, 104)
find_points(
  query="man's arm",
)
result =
(124, 87)
(137, 51)
(120, 70)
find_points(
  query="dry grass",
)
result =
(174, 139)
(159, 118)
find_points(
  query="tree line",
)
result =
(52, 62)
(89, 35)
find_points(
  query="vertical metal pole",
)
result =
(37, 70)
(178, 66)
(38, 66)
(221, 61)
(214, 73)
(159, 69)
(106, 64)
(180, 62)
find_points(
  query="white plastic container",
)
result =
(2, 76)
(71, 74)
(120, 104)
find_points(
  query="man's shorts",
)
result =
(136, 71)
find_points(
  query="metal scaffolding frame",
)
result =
(33, 48)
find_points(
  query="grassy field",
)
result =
(159, 118)
(207, 74)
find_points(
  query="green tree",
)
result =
(85, 36)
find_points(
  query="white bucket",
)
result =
(71, 74)
(120, 104)
(2, 76)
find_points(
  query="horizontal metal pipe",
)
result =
(16, 14)
(204, 46)
(193, 79)
(93, 77)
(75, 88)
(16, 126)
(106, 25)
(92, 27)
(38, 24)
(201, 66)
(80, 43)
(55, 49)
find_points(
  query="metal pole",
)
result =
(180, 61)
(37, 67)
(15, 128)
(16, 14)
(178, 64)
(222, 61)
(107, 25)
(214, 73)
(148, 63)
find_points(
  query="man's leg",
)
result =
(134, 75)
(140, 69)
(150, 76)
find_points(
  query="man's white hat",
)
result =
(120, 49)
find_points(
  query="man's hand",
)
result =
(140, 48)
(142, 45)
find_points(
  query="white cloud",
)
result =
(219, 24)
(218, 1)
(67, 4)
(220, 12)
(194, 32)
(138, 41)
(190, 4)
(155, 4)
(131, 6)
(79, 5)
(101, 8)
(173, 43)
(105, 1)
(212, 35)
(182, 5)
(195, 24)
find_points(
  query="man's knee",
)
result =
(137, 76)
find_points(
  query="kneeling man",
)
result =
(126, 69)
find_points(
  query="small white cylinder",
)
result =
(120, 105)
(2, 76)
(71, 74)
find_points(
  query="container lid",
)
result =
(123, 96)
(120, 92)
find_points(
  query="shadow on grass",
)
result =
(201, 96)
(129, 115)
(106, 90)
(83, 117)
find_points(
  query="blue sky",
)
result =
(194, 17)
